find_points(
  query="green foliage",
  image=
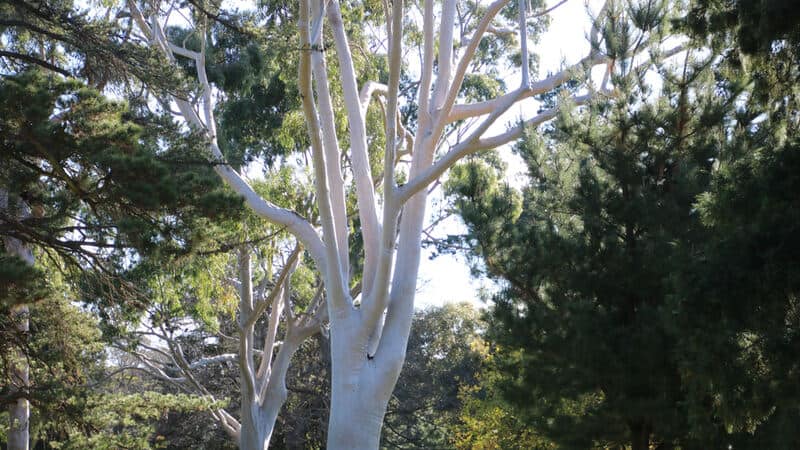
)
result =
(587, 320)
(486, 421)
(755, 24)
(441, 358)
(67, 37)
(260, 87)
(19, 282)
(97, 163)
(125, 420)
(66, 361)
(748, 277)
(103, 182)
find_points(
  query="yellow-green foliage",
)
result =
(488, 423)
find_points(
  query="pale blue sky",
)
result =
(447, 278)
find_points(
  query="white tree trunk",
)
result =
(260, 413)
(19, 411)
(356, 415)
(258, 423)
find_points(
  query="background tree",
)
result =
(640, 257)
(422, 413)
(197, 329)
(443, 358)
(486, 420)
(745, 274)
(131, 197)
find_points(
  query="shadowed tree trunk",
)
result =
(19, 410)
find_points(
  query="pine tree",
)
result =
(649, 267)
(586, 321)
(88, 187)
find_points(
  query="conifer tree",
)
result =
(586, 321)
(742, 283)
(649, 265)
(359, 168)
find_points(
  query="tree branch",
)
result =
(377, 296)
(39, 62)
(297, 225)
(461, 112)
(362, 172)
(333, 272)
(445, 62)
(464, 63)
(283, 278)
(427, 67)
(523, 42)
(474, 142)
(421, 180)
(246, 325)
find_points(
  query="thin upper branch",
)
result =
(283, 278)
(427, 66)
(297, 225)
(516, 131)
(461, 112)
(378, 294)
(32, 60)
(330, 141)
(356, 121)
(475, 142)
(445, 62)
(333, 272)
(246, 328)
(464, 62)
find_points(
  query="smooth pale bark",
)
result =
(362, 172)
(19, 411)
(263, 392)
(357, 411)
(334, 183)
(360, 389)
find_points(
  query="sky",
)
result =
(446, 278)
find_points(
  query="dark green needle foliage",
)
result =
(586, 318)
(745, 279)
(78, 40)
(105, 187)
